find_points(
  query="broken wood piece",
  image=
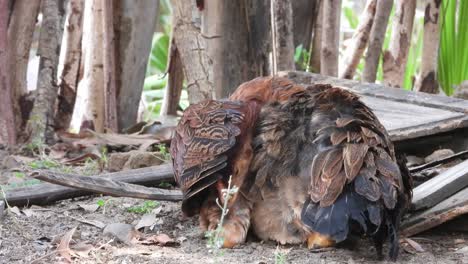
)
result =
(107, 186)
(434, 163)
(46, 193)
(440, 187)
(445, 211)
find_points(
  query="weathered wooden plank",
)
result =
(440, 187)
(446, 210)
(46, 193)
(405, 114)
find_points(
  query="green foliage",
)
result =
(415, 52)
(453, 51)
(156, 77)
(144, 208)
(351, 17)
(302, 57)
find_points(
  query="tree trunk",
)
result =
(134, 26)
(20, 34)
(315, 51)
(304, 18)
(41, 120)
(236, 34)
(69, 65)
(192, 45)
(282, 31)
(174, 83)
(110, 88)
(377, 36)
(394, 60)
(304, 15)
(426, 80)
(7, 118)
(359, 41)
(330, 37)
(91, 87)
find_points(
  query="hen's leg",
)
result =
(236, 223)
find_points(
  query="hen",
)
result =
(213, 142)
(326, 170)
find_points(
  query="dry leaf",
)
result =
(64, 247)
(160, 240)
(125, 233)
(147, 220)
(415, 245)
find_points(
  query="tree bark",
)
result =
(41, 120)
(359, 41)
(330, 37)
(315, 51)
(69, 65)
(110, 88)
(237, 38)
(7, 118)
(304, 18)
(198, 67)
(174, 83)
(394, 59)
(20, 34)
(426, 80)
(134, 26)
(91, 87)
(282, 29)
(377, 36)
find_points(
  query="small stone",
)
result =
(439, 154)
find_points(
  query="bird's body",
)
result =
(213, 143)
(325, 166)
(312, 164)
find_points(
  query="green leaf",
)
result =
(351, 17)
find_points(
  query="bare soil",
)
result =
(32, 235)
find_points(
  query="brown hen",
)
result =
(213, 142)
(326, 170)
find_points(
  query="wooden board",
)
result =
(440, 187)
(404, 114)
(446, 210)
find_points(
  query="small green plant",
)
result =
(19, 174)
(215, 241)
(164, 185)
(164, 151)
(144, 208)
(104, 204)
(280, 256)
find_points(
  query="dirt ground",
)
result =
(45, 235)
(32, 234)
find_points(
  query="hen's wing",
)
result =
(204, 141)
